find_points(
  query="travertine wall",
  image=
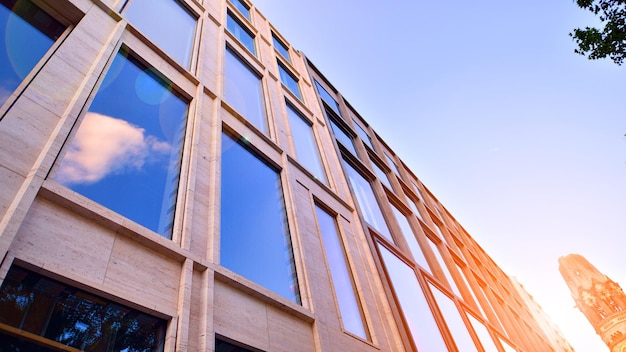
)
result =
(50, 229)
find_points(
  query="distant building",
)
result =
(600, 299)
(552, 331)
(175, 176)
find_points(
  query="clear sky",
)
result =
(520, 138)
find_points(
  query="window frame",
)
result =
(232, 17)
(279, 44)
(188, 66)
(289, 227)
(69, 24)
(235, 4)
(339, 232)
(80, 290)
(162, 74)
(314, 138)
(334, 107)
(282, 69)
(264, 128)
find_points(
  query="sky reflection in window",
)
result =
(242, 90)
(366, 201)
(255, 241)
(23, 23)
(304, 142)
(415, 309)
(349, 306)
(454, 321)
(174, 35)
(126, 152)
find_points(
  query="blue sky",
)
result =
(520, 138)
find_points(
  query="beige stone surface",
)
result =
(239, 317)
(138, 272)
(59, 241)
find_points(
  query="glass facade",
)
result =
(289, 80)
(327, 98)
(410, 239)
(240, 32)
(454, 321)
(253, 222)
(382, 176)
(242, 7)
(223, 346)
(242, 90)
(342, 136)
(182, 188)
(175, 36)
(483, 334)
(345, 293)
(444, 267)
(23, 22)
(392, 164)
(46, 311)
(364, 136)
(127, 150)
(413, 304)
(282, 49)
(366, 201)
(307, 151)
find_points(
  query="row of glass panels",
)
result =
(372, 214)
(127, 157)
(153, 146)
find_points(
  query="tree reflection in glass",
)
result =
(57, 312)
(126, 153)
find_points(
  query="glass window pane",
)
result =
(507, 347)
(340, 275)
(255, 241)
(332, 103)
(366, 201)
(304, 142)
(417, 192)
(174, 36)
(223, 346)
(126, 153)
(22, 22)
(454, 321)
(289, 81)
(281, 48)
(444, 267)
(483, 334)
(382, 176)
(242, 34)
(407, 232)
(364, 136)
(415, 209)
(392, 164)
(57, 312)
(342, 137)
(243, 8)
(413, 304)
(469, 288)
(242, 90)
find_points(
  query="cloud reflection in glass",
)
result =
(126, 152)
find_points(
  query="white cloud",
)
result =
(106, 145)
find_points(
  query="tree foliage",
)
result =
(608, 41)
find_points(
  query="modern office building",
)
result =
(599, 298)
(175, 176)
